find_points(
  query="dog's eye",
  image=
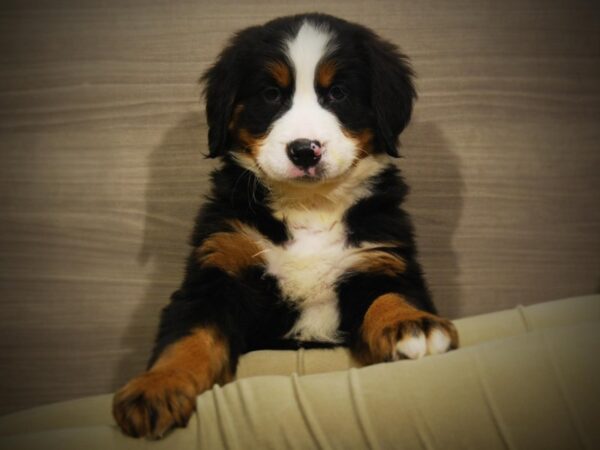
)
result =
(271, 94)
(336, 93)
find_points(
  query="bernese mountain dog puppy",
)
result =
(302, 241)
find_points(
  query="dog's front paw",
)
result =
(429, 335)
(393, 329)
(154, 403)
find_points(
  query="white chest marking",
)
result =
(307, 268)
(310, 264)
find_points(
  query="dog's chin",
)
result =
(316, 176)
(325, 172)
(310, 175)
(313, 177)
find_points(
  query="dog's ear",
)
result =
(392, 91)
(221, 84)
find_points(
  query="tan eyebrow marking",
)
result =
(280, 72)
(325, 73)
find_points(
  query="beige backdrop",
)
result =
(101, 167)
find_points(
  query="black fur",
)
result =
(249, 310)
(373, 70)
(238, 76)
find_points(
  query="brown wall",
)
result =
(101, 168)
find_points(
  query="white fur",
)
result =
(411, 346)
(307, 119)
(438, 342)
(307, 270)
(317, 255)
(416, 346)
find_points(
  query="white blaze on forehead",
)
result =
(307, 118)
(305, 51)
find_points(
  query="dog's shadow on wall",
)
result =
(176, 184)
(435, 203)
(178, 181)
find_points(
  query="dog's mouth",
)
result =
(308, 174)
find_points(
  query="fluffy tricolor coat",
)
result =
(302, 241)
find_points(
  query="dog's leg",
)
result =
(200, 338)
(388, 315)
(164, 397)
(394, 329)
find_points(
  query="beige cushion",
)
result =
(524, 378)
(472, 331)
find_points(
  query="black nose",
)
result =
(304, 153)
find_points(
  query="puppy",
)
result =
(302, 241)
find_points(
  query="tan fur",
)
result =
(331, 197)
(165, 396)
(249, 143)
(234, 117)
(231, 251)
(381, 262)
(280, 72)
(325, 73)
(363, 140)
(388, 319)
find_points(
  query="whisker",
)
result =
(254, 188)
(250, 195)
(236, 183)
(266, 250)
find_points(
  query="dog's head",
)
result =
(305, 98)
